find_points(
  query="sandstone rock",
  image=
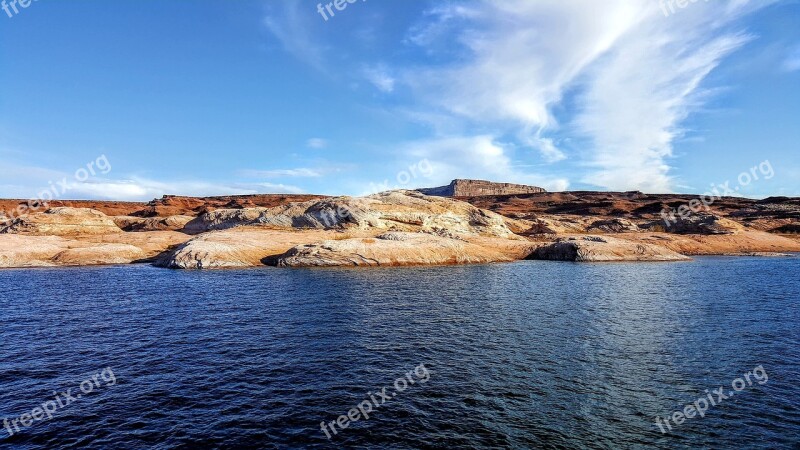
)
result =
(696, 224)
(62, 221)
(152, 243)
(29, 251)
(45, 251)
(99, 254)
(743, 242)
(555, 225)
(542, 226)
(11, 208)
(603, 249)
(389, 249)
(175, 205)
(239, 247)
(171, 223)
(394, 210)
(792, 228)
(474, 188)
(615, 225)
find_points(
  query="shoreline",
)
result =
(694, 258)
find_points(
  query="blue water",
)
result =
(524, 355)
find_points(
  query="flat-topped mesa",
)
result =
(475, 188)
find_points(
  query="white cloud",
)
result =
(638, 96)
(27, 182)
(317, 143)
(792, 62)
(142, 189)
(291, 25)
(379, 77)
(278, 173)
(636, 74)
(522, 57)
(615, 74)
(479, 157)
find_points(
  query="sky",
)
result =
(292, 96)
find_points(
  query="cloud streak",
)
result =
(604, 87)
(636, 76)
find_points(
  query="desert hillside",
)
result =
(393, 229)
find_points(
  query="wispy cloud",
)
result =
(143, 189)
(292, 27)
(616, 78)
(792, 62)
(635, 74)
(522, 56)
(27, 182)
(379, 77)
(280, 173)
(316, 143)
(482, 157)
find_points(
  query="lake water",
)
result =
(524, 355)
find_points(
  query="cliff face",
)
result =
(477, 188)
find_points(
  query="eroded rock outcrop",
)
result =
(742, 242)
(237, 247)
(603, 249)
(170, 223)
(17, 250)
(99, 254)
(615, 225)
(390, 249)
(62, 221)
(394, 210)
(792, 228)
(477, 188)
(702, 223)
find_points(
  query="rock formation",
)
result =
(394, 210)
(391, 249)
(695, 224)
(170, 223)
(43, 251)
(792, 228)
(603, 249)
(615, 225)
(63, 221)
(176, 205)
(394, 228)
(237, 247)
(475, 188)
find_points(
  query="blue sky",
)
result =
(214, 97)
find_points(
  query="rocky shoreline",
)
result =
(396, 228)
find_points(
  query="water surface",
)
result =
(525, 355)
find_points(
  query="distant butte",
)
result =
(478, 188)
